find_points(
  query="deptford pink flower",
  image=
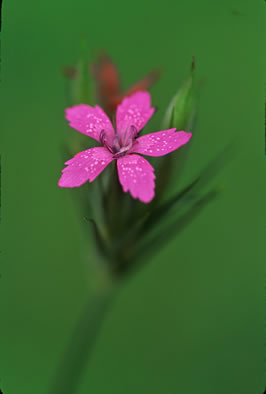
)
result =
(135, 173)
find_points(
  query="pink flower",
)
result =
(135, 173)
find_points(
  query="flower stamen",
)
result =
(104, 142)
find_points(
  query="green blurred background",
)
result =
(192, 320)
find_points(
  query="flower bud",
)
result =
(181, 115)
(81, 89)
(181, 110)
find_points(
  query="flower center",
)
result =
(121, 143)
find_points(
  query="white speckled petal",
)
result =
(134, 110)
(160, 143)
(89, 120)
(85, 166)
(136, 175)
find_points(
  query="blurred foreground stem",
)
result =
(78, 350)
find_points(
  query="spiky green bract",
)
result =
(181, 110)
(82, 83)
(181, 114)
(80, 90)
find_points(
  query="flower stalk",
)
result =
(76, 356)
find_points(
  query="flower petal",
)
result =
(135, 111)
(89, 120)
(160, 143)
(136, 175)
(85, 166)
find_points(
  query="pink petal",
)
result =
(160, 143)
(89, 120)
(85, 166)
(136, 175)
(135, 111)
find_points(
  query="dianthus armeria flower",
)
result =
(135, 173)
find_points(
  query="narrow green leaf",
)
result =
(100, 242)
(98, 209)
(191, 191)
(216, 165)
(149, 248)
(82, 83)
(79, 90)
(162, 211)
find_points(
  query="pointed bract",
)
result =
(181, 110)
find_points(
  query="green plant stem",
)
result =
(78, 351)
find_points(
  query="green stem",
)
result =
(78, 351)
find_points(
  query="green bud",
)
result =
(80, 92)
(181, 110)
(82, 83)
(181, 115)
